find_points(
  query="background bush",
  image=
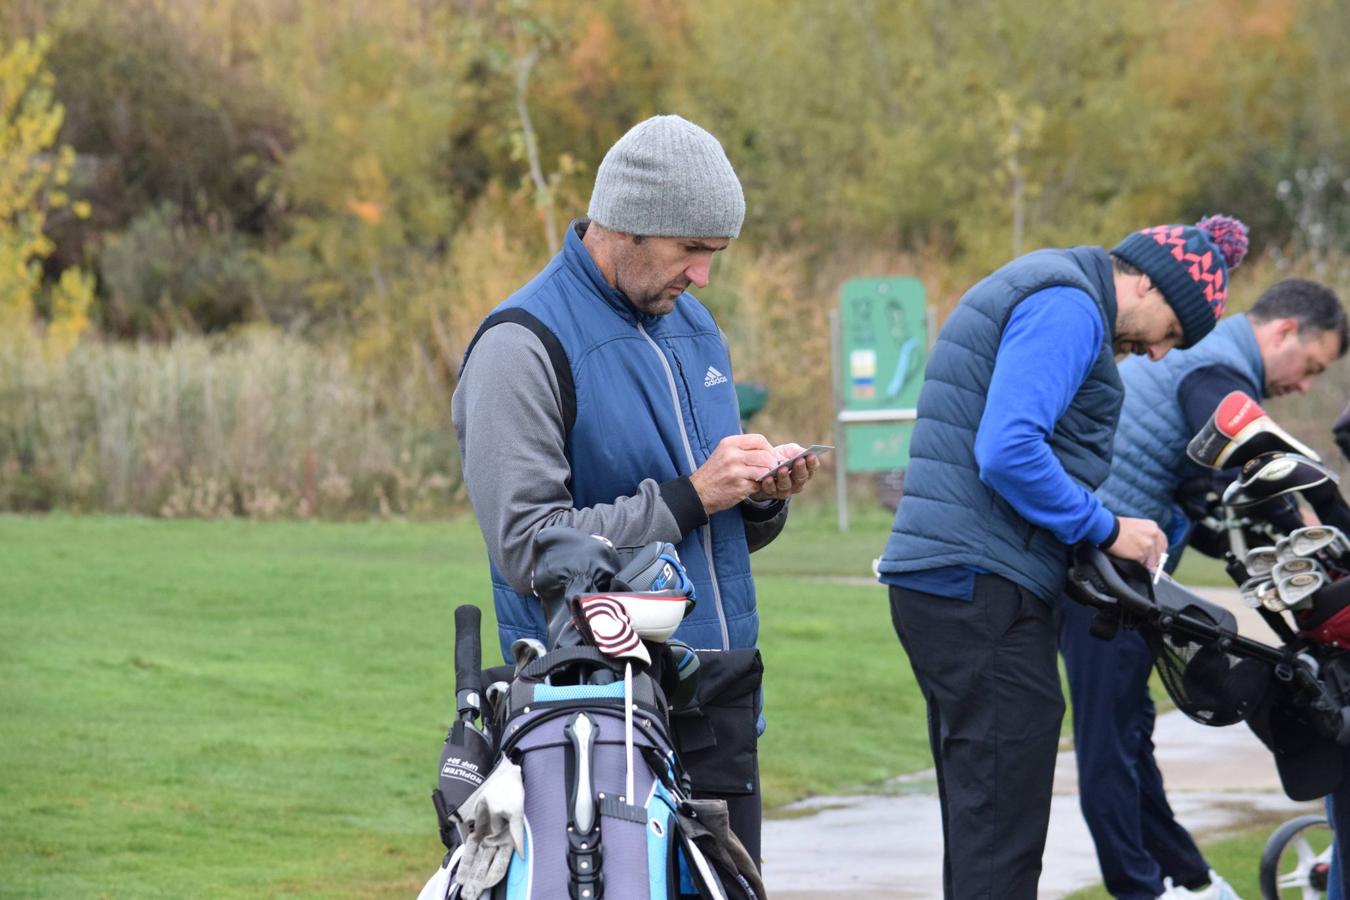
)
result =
(350, 187)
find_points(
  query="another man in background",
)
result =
(1018, 410)
(1294, 331)
(600, 396)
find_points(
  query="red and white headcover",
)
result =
(1236, 412)
(1240, 430)
(610, 628)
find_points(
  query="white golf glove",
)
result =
(494, 816)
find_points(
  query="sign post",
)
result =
(879, 351)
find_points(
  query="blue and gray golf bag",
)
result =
(604, 806)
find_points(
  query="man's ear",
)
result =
(1286, 327)
(1144, 285)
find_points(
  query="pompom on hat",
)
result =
(1189, 265)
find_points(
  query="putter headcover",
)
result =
(652, 615)
(603, 620)
(1240, 430)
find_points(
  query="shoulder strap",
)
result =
(562, 369)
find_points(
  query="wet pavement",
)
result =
(869, 848)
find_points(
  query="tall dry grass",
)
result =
(260, 425)
(265, 425)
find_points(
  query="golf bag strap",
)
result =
(550, 662)
(562, 368)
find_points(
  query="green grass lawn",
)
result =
(256, 709)
(246, 709)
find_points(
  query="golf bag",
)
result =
(598, 802)
(1296, 695)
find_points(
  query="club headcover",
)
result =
(1276, 474)
(568, 562)
(1240, 430)
(604, 621)
(654, 567)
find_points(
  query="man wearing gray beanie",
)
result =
(600, 396)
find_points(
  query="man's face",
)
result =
(653, 271)
(1294, 361)
(1150, 328)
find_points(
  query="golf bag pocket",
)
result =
(705, 829)
(717, 735)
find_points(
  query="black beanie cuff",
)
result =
(1170, 277)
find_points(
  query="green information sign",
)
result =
(884, 332)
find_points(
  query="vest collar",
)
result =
(1245, 337)
(1096, 265)
(576, 257)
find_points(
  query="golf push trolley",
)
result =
(1294, 694)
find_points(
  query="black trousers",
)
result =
(987, 669)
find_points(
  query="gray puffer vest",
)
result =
(1150, 454)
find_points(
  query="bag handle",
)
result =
(562, 657)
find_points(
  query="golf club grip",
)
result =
(468, 648)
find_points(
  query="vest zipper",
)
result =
(706, 537)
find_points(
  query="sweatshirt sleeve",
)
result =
(1049, 346)
(507, 413)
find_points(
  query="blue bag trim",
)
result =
(548, 693)
(518, 874)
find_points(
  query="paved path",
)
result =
(869, 848)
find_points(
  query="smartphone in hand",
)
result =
(817, 449)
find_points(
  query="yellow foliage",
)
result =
(31, 181)
(70, 300)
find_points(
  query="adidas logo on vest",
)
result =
(713, 377)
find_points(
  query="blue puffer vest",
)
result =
(644, 397)
(948, 517)
(1150, 455)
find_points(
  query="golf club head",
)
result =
(1238, 431)
(496, 694)
(1313, 538)
(1296, 591)
(1295, 566)
(1273, 475)
(1283, 552)
(1250, 591)
(1269, 596)
(1260, 560)
(525, 651)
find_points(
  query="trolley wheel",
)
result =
(1297, 860)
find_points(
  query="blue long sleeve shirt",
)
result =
(1048, 347)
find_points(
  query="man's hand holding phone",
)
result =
(795, 467)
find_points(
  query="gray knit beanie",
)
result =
(668, 177)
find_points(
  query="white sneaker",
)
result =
(1218, 889)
